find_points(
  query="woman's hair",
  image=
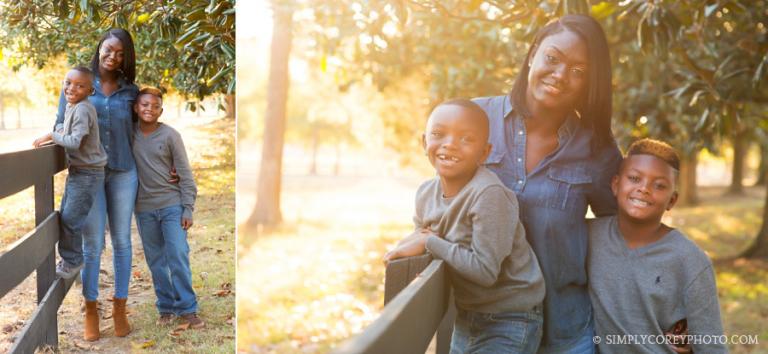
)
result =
(595, 107)
(129, 54)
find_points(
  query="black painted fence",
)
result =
(35, 250)
(417, 308)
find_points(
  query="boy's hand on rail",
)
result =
(42, 140)
(414, 246)
(186, 223)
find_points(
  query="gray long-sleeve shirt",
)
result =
(644, 291)
(80, 136)
(491, 265)
(155, 154)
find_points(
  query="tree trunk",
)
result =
(229, 106)
(759, 248)
(688, 194)
(267, 211)
(2, 116)
(762, 169)
(315, 146)
(740, 146)
(18, 116)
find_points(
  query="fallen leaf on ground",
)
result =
(179, 329)
(222, 293)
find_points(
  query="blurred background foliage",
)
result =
(688, 72)
(187, 46)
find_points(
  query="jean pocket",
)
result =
(570, 183)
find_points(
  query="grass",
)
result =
(318, 279)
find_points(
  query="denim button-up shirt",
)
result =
(553, 201)
(115, 117)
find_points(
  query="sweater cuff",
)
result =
(187, 213)
(438, 247)
(57, 137)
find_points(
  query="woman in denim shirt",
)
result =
(114, 66)
(553, 146)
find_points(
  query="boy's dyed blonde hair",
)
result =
(154, 91)
(656, 148)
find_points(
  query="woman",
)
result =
(114, 67)
(553, 146)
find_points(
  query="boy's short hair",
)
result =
(656, 148)
(467, 104)
(85, 71)
(149, 90)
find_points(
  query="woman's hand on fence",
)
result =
(186, 223)
(42, 140)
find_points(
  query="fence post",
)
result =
(46, 272)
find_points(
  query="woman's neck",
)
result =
(544, 118)
(109, 76)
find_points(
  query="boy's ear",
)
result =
(672, 200)
(488, 148)
(615, 184)
(424, 142)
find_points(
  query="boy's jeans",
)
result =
(506, 332)
(79, 193)
(167, 253)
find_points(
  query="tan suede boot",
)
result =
(91, 322)
(122, 327)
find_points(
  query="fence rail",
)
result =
(35, 251)
(418, 306)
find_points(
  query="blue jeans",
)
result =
(113, 202)
(583, 345)
(506, 332)
(167, 253)
(79, 193)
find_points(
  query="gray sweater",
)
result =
(491, 266)
(644, 291)
(155, 155)
(80, 136)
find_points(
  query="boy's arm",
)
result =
(703, 311)
(184, 170)
(600, 197)
(79, 130)
(494, 224)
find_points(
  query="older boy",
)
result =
(164, 210)
(644, 276)
(79, 135)
(467, 218)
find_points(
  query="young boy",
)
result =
(164, 210)
(467, 218)
(79, 135)
(645, 276)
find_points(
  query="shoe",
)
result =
(66, 270)
(194, 321)
(165, 319)
(119, 315)
(91, 322)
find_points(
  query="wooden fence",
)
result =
(418, 307)
(35, 251)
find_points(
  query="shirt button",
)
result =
(519, 159)
(519, 181)
(520, 132)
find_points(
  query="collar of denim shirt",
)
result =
(122, 83)
(505, 113)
